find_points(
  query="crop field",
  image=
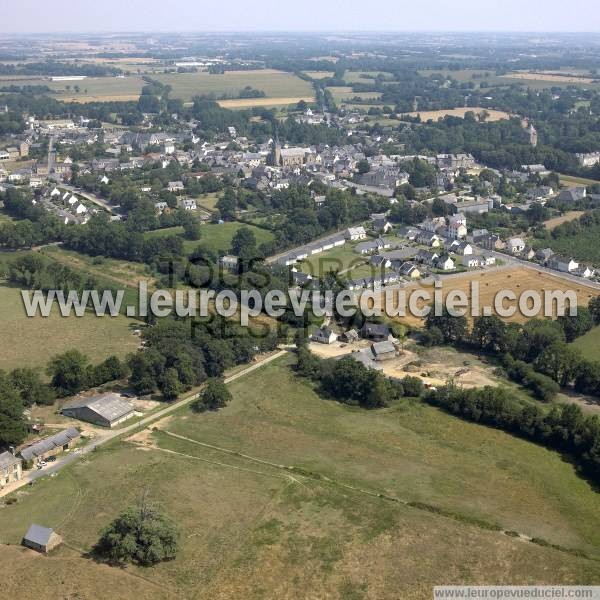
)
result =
(92, 89)
(551, 78)
(517, 279)
(356, 76)
(254, 527)
(275, 84)
(33, 341)
(493, 115)
(571, 180)
(242, 103)
(214, 236)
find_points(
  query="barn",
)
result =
(106, 410)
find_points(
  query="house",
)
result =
(528, 253)
(380, 262)
(350, 336)
(365, 357)
(409, 269)
(572, 194)
(11, 468)
(175, 186)
(429, 239)
(544, 254)
(562, 264)
(426, 257)
(106, 410)
(585, 272)
(444, 263)
(489, 242)
(324, 336)
(473, 262)
(461, 248)
(515, 245)
(376, 332)
(229, 262)
(51, 446)
(188, 204)
(41, 539)
(380, 224)
(383, 350)
(355, 233)
(489, 259)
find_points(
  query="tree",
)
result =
(363, 166)
(575, 326)
(594, 308)
(30, 386)
(141, 534)
(192, 230)
(68, 372)
(169, 384)
(243, 244)
(216, 395)
(12, 422)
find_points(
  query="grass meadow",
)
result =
(254, 527)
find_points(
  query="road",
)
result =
(104, 438)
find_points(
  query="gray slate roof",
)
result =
(383, 348)
(7, 460)
(38, 534)
(108, 406)
(54, 441)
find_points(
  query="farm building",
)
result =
(10, 468)
(42, 539)
(52, 445)
(376, 332)
(383, 350)
(324, 336)
(106, 410)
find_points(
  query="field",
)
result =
(318, 74)
(570, 215)
(494, 115)
(589, 344)
(275, 84)
(342, 94)
(355, 76)
(515, 278)
(341, 259)
(4, 218)
(571, 180)
(583, 247)
(241, 103)
(214, 236)
(93, 89)
(255, 529)
(33, 341)
(551, 78)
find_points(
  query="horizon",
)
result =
(465, 16)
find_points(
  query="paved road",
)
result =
(103, 437)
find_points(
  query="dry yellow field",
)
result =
(549, 77)
(318, 74)
(494, 115)
(250, 102)
(568, 216)
(109, 98)
(515, 278)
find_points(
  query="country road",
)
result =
(67, 459)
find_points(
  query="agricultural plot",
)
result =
(91, 89)
(366, 76)
(318, 74)
(33, 341)
(343, 94)
(289, 532)
(217, 237)
(570, 215)
(275, 84)
(571, 180)
(493, 115)
(491, 281)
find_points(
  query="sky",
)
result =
(41, 16)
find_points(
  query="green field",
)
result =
(345, 94)
(254, 529)
(92, 89)
(275, 84)
(4, 218)
(572, 180)
(32, 342)
(589, 344)
(355, 76)
(337, 259)
(214, 236)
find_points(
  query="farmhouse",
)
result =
(10, 468)
(383, 350)
(324, 336)
(229, 262)
(41, 539)
(376, 332)
(573, 194)
(51, 446)
(355, 233)
(106, 410)
(515, 245)
(564, 265)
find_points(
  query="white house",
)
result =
(445, 263)
(356, 233)
(324, 336)
(515, 245)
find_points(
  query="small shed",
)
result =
(41, 539)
